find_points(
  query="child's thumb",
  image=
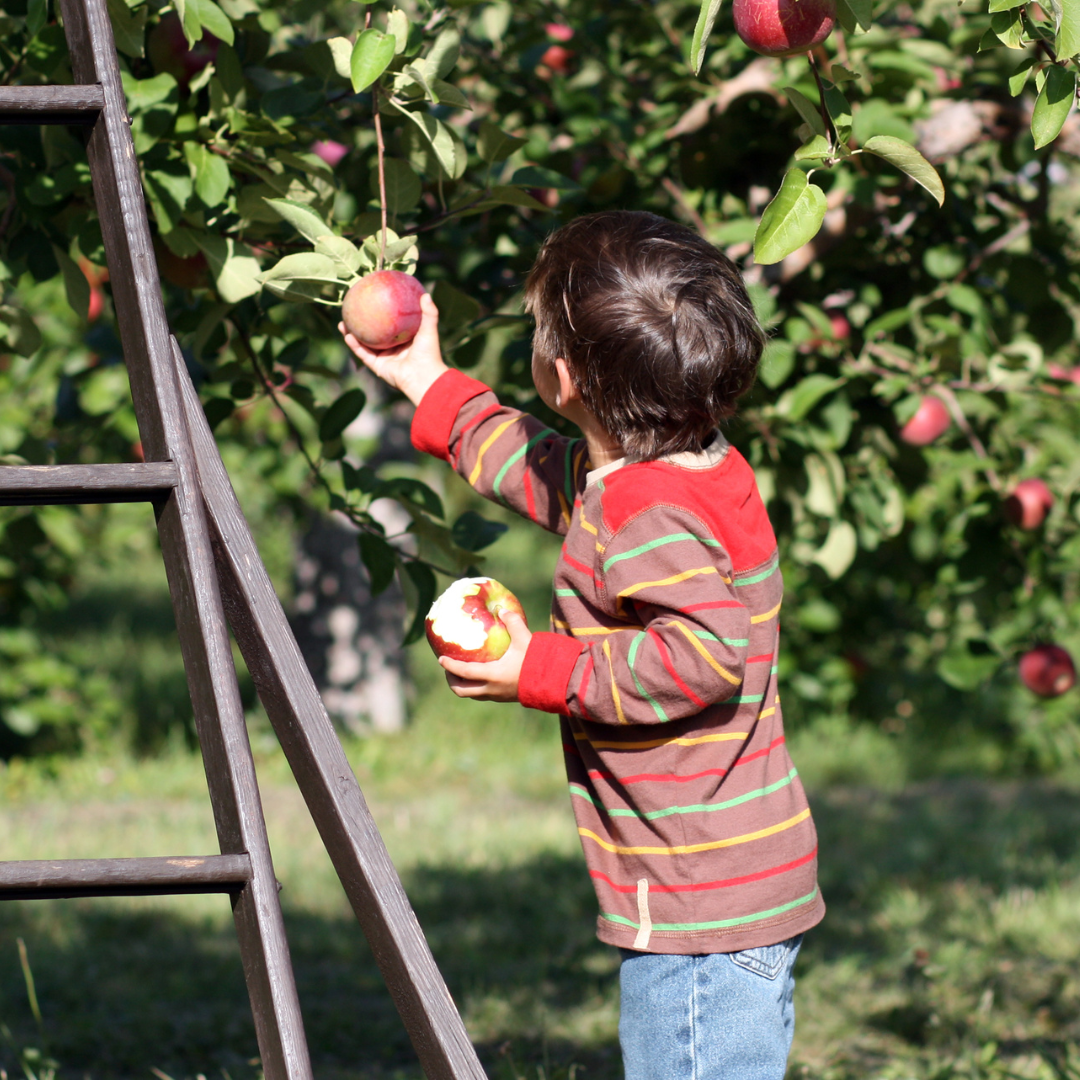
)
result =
(517, 626)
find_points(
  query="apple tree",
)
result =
(901, 199)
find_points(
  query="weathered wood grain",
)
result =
(50, 104)
(161, 876)
(30, 485)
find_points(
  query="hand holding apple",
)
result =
(412, 366)
(477, 628)
(382, 309)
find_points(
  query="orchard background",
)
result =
(287, 147)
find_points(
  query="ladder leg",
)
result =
(322, 771)
(186, 546)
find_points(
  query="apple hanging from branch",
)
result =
(1047, 670)
(930, 422)
(1029, 503)
(383, 309)
(783, 27)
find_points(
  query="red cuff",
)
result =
(433, 421)
(545, 673)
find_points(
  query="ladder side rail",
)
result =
(323, 773)
(182, 528)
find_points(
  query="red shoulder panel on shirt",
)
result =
(433, 421)
(724, 497)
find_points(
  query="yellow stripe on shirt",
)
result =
(691, 849)
(614, 688)
(766, 616)
(485, 446)
(674, 579)
(727, 736)
(722, 672)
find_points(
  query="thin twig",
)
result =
(679, 196)
(381, 148)
(946, 395)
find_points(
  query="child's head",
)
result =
(654, 324)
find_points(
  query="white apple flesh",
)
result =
(465, 622)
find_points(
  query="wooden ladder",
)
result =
(215, 573)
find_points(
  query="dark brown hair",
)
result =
(654, 323)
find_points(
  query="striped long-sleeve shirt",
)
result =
(661, 663)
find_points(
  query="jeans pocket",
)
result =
(768, 961)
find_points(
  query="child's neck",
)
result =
(603, 448)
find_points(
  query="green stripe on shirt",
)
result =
(652, 815)
(719, 924)
(516, 456)
(631, 656)
(708, 541)
(766, 573)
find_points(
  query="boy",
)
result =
(661, 662)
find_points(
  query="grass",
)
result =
(951, 945)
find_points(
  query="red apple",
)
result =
(783, 27)
(465, 622)
(331, 152)
(383, 309)
(559, 60)
(558, 31)
(1029, 503)
(168, 50)
(1047, 670)
(931, 420)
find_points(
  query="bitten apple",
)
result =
(383, 309)
(931, 420)
(1047, 670)
(1029, 503)
(783, 27)
(465, 623)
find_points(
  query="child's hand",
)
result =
(412, 367)
(497, 680)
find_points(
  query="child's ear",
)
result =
(567, 390)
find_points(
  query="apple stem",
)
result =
(826, 119)
(381, 148)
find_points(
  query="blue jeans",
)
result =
(717, 1016)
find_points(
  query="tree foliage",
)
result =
(304, 144)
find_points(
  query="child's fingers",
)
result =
(471, 672)
(466, 688)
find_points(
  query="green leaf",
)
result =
(533, 176)
(705, 20)
(341, 414)
(443, 55)
(403, 187)
(1018, 79)
(855, 13)
(806, 109)
(344, 252)
(493, 144)
(474, 533)
(301, 217)
(777, 363)
(75, 284)
(965, 670)
(1067, 42)
(188, 10)
(456, 308)
(152, 105)
(371, 56)
(380, 559)
(212, 177)
(908, 160)
(406, 489)
(19, 331)
(233, 266)
(418, 581)
(303, 266)
(1004, 5)
(448, 149)
(1008, 27)
(129, 27)
(37, 15)
(340, 55)
(790, 220)
(1053, 105)
(814, 150)
(214, 20)
(839, 550)
(397, 24)
(797, 402)
(447, 94)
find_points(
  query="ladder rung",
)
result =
(28, 485)
(51, 104)
(46, 879)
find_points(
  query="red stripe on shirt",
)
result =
(705, 885)
(489, 411)
(759, 659)
(570, 561)
(602, 774)
(711, 604)
(669, 667)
